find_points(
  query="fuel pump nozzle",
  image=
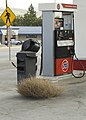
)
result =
(72, 53)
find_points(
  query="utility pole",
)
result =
(8, 37)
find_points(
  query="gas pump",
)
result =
(64, 43)
(57, 38)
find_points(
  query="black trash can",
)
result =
(30, 45)
(26, 64)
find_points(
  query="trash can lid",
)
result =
(26, 53)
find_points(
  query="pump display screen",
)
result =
(64, 34)
(68, 21)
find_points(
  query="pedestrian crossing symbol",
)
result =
(8, 16)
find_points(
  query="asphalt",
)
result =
(70, 105)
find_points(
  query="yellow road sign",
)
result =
(8, 16)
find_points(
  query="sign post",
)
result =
(8, 16)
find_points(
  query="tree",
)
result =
(39, 21)
(1, 22)
(29, 18)
(31, 11)
(18, 21)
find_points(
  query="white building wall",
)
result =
(80, 29)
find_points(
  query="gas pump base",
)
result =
(55, 78)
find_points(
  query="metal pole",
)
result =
(9, 43)
(8, 38)
(6, 3)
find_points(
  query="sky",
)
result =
(24, 4)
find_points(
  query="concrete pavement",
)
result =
(70, 105)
